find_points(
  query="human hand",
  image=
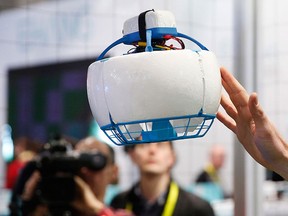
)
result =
(253, 128)
(86, 201)
(30, 186)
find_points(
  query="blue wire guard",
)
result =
(162, 129)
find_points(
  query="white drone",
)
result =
(156, 92)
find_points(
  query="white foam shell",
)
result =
(96, 94)
(153, 85)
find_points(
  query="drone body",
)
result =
(156, 92)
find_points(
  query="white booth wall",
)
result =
(56, 31)
(273, 61)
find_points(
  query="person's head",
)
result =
(153, 158)
(98, 180)
(22, 144)
(217, 156)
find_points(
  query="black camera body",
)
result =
(71, 162)
(58, 165)
(57, 174)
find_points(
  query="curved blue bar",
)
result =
(193, 40)
(119, 41)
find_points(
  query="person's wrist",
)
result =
(97, 207)
(281, 167)
(90, 207)
(281, 163)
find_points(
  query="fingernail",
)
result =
(256, 100)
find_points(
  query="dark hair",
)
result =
(130, 147)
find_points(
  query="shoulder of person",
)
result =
(121, 199)
(203, 176)
(189, 202)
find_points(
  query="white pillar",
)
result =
(248, 175)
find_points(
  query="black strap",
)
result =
(142, 25)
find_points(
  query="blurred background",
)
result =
(47, 46)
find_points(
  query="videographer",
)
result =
(67, 192)
(92, 185)
(98, 180)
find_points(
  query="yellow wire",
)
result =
(162, 47)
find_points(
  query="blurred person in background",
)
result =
(99, 180)
(113, 188)
(208, 183)
(211, 171)
(157, 193)
(25, 150)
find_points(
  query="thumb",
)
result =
(255, 109)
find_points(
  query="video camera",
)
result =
(59, 157)
(58, 165)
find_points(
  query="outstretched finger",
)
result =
(227, 121)
(229, 107)
(256, 110)
(233, 86)
(235, 90)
